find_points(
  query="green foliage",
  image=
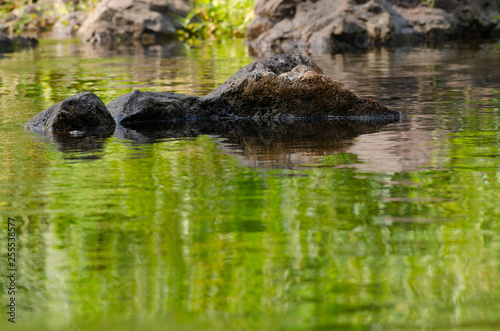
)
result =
(216, 19)
(428, 3)
(34, 16)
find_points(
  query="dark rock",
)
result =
(81, 112)
(288, 86)
(280, 87)
(137, 106)
(119, 21)
(337, 26)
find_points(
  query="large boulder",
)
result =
(337, 26)
(140, 107)
(288, 86)
(118, 21)
(81, 112)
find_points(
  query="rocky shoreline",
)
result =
(340, 26)
(284, 26)
(284, 86)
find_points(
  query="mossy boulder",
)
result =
(289, 86)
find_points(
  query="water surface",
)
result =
(256, 225)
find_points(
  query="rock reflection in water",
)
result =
(80, 145)
(283, 144)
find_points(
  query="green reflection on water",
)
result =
(179, 234)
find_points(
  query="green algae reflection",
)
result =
(188, 233)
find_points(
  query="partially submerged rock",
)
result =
(289, 86)
(81, 112)
(140, 107)
(281, 87)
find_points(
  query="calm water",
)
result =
(255, 225)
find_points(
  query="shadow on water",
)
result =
(255, 143)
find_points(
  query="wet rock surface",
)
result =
(288, 86)
(81, 112)
(140, 107)
(337, 26)
(281, 87)
(122, 21)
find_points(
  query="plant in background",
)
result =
(23, 16)
(428, 3)
(83, 5)
(216, 19)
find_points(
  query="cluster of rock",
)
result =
(284, 26)
(110, 22)
(333, 26)
(282, 86)
(293, 26)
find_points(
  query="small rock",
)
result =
(81, 112)
(137, 107)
